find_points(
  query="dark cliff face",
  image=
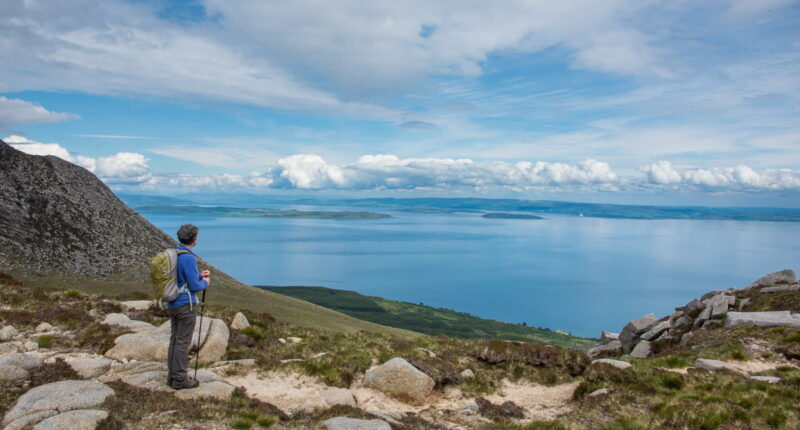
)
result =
(56, 217)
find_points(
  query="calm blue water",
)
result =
(578, 274)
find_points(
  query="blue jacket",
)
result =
(188, 274)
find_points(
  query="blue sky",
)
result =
(630, 101)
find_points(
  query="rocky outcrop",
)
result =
(762, 319)
(152, 344)
(7, 333)
(344, 423)
(397, 377)
(712, 310)
(712, 365)
(611, 348)
(51, 204)
(619, 364)
(239, 322)
(786, 276)
(56, 398)
(632, 332)
(81, 419)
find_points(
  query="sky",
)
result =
(632, 101)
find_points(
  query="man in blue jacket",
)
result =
(182, 309)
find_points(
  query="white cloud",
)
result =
(662, 173)
(121, 168)
(740, 177)
(15, 112)
(391, 172)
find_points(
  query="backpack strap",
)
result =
(185, 287)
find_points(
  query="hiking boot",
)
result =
(186, 383)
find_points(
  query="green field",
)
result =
(427, 319)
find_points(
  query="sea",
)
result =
(577, 274)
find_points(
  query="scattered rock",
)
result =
(81, 419)
(470, 408)
(61, 396)
(215, 389)
(612, 348)
(344, 423)
(641, 350)
(122, 320)
(599, 392)
(686, 337)
(338, 396)
(13, 373)
(607, 336)
(282, 341)
(239, 322)
(399, 378)
(44, 327)
(430, 353)
(712, 324)
(27, 361)
(467, 374)
(619, 364)
(743, 304)
(762, 319)
(7, 333)
(708, 364)
(151, 345)
(719, 304)
(137, 305)
(656, 330)
(9, 347)
(630, 334)
(89, 367)
(294, 339)
(767, 379)
(683, 321)
(780, 289)
(28, 420)
(786, 276)
(30, 346)
(692, 309)
(703, 317)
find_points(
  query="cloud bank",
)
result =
(123, 168)
(389, 172)
(740, 177)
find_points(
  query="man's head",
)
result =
(187, 234)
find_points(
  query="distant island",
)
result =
(595, 210)
(258, 212)
(438, 205)
(506, 215)
(427, 319)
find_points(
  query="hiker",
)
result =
(182, 310)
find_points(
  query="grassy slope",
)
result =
(225, 290)
(426, 319)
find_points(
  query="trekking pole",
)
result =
(199, 334)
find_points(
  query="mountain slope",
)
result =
(61, 226)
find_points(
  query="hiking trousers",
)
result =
(183, 321)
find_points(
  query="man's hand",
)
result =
(206, 276)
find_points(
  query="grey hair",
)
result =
(187, 234)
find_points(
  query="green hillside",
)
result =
(225, 291)
(426, 319)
